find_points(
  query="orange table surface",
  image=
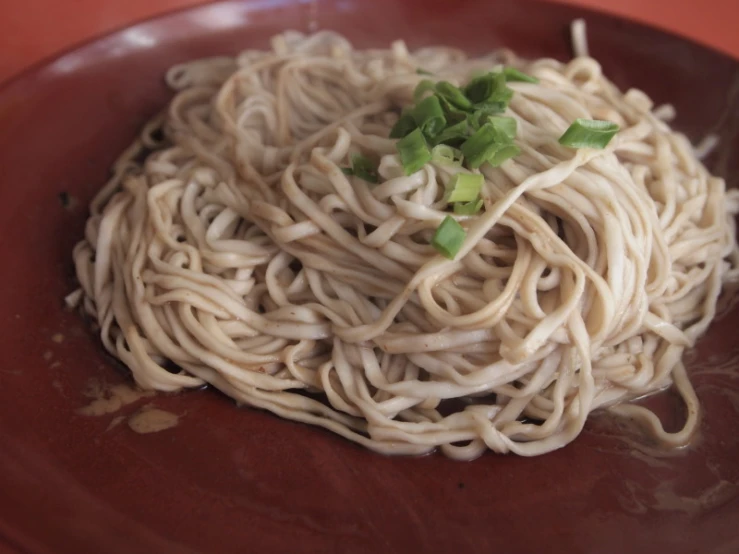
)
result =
(31, 30)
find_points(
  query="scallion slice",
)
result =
(480, 146)
(429, 116)
(464, 187)
(456, 133)
(449, 108)
(477, 119)
(403, 126)
(589, 133)
(468, 208)
(480, 88)
(423, 72)
(506, 126)
(363, 168)
(422, 88)
(448, 238)
(347, 171)
(453, 94)
(443, 154)
(513, 74)
(491, 108)
(489, 92)
(501, 92)
(503, 153)
(414, 152)
(460, 117)
(477, 73)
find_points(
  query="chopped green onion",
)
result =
(449, 108)
(414, 152)
(466, 118)
(454, 134)
(489, 91)
(454, 95)
(422, 88)
(429, 116)
(456, 117)
(477, 73)
(480, 88)
(363, 168)
(480, 146)
(491, 108)
(513, 74)
(501, 91)
(403, 126)
(423, 72)
(347, 171)
(464, 187)
(446, 155)
(506, 126)
(468, 208)
(448, 238)
(503, 153)
(589, 133)
(477, 119)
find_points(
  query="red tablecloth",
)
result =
(31, 30)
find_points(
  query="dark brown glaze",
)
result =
(238, 480)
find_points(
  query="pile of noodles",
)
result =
(238, 254)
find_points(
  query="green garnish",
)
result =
(489, 92)
(364, 168)
(507, 126)
(503, 153)
(422, 88)
(414, 152)
(423, 72)
(464, 187)
(466, 117)
(481, 145)
(454, 134)
(448, 238)
(477, 73)
(347, 171)
(469, 208)
(589, 133)
(477, 119)
(403, 126)
(513, 74)
(493, 107)
(429, 116)
(480, 88)
(453, 95)
(444, 154)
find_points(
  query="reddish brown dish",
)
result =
(217, 478)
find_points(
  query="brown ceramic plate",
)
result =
(238, 480)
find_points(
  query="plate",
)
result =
(227, 479)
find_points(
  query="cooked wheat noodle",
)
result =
(238, 254)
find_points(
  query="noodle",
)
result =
(237, 253)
